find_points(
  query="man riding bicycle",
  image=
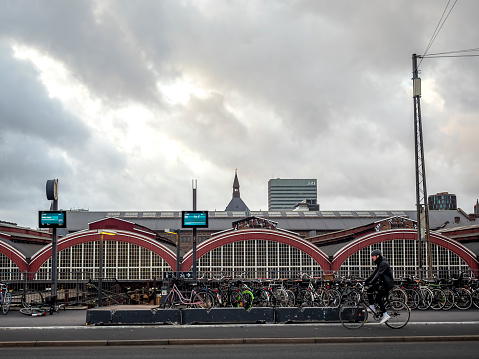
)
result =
(381, 281)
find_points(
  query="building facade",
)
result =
(285, 194)
(442, 201)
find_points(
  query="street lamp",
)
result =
(100, 266)
(175, 232)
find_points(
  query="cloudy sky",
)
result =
(125, 102)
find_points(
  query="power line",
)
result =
(435, 57)
(438, 28)
(451, 52)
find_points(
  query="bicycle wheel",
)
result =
(33, 311)
(291, 301)
(170, 300)
(262, 298)
(280, 297)
(399, 313)
(304, 298)
(7, 300)
(425, 298)
(353, 315)
(450, 300)
(246, 299)
(331, 298)
(463, 299)
(398, 294)
(438, 299)
(203, 300)
(475, 298)
(412, 298)
(32, 298)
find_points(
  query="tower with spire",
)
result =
(236, 203)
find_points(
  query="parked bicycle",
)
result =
(5, 298)
(34, 304)
(195, 299)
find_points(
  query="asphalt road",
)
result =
(307, 351)
(68, 328)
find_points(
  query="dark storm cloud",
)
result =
(99, 52)
(25, 107)
(39, 140)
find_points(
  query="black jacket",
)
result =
(382, 274)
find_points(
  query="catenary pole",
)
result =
(421, 189)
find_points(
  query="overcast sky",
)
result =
(125, 102)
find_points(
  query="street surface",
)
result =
(304, 351)
(69, 327)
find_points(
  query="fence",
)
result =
(73, 288)
(76, 291)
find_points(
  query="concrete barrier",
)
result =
(227, 315)
(308, 314)
(132, 316)
(145, 315)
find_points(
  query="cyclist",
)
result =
(381, 281)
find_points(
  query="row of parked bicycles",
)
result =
(326, 291)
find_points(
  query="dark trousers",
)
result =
(376, 293)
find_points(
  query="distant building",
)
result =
(442, 201)
(285, 194)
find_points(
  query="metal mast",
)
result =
(421, 191)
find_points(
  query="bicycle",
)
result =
(5, 298)
(354, 313)
(35, 305)
(196, 299)
(233, 294)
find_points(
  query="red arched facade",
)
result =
(94, 235)
(258, 234)
(409, 234)
(14, 255)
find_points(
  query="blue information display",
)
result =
(52, 219)
(194, 219)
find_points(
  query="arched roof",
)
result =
(410, 234)
(262, 234)
(94, 235)
(14, 255)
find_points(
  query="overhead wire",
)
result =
(457, 53)
(439, 26)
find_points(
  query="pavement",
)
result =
(67, 328)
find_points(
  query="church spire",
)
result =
(236, 203)
(236, 186)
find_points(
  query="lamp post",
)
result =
(100, 266)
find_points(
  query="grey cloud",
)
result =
(331, 74)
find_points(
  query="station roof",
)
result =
(320, 221)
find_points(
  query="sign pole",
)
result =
(52, 194)
(195, 276)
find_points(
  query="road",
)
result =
(307, 351)
(68, 328)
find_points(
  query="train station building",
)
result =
(251, 244)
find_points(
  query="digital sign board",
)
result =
(194, 219)
(52, 219)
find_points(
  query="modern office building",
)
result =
(442, 201)
(285, 194)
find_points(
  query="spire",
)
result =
(236, 203)
(236, 186)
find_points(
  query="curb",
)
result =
(236, 341)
